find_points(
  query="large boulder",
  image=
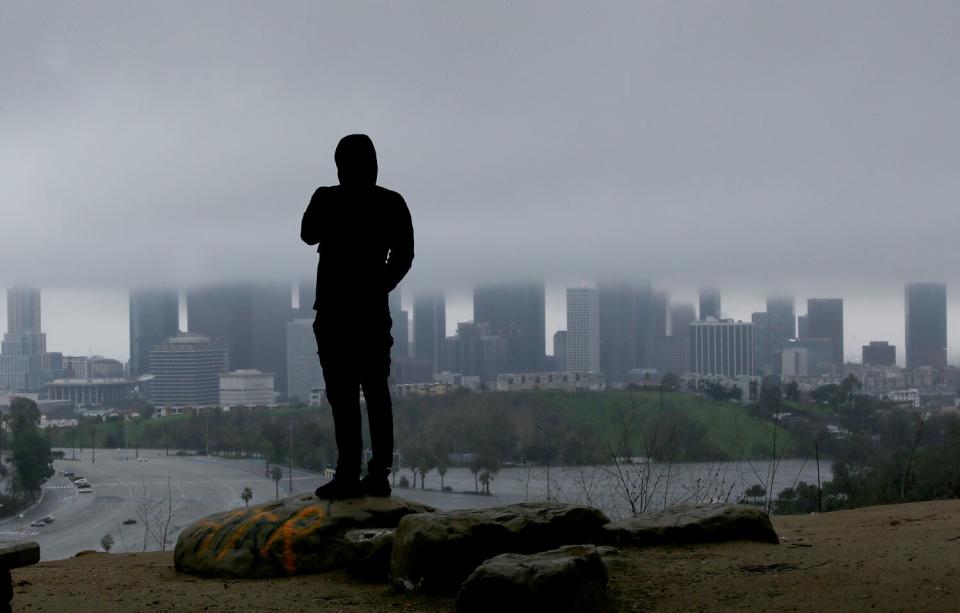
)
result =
(570, 578)
(694, 524)
(300, 534)
(437, 551)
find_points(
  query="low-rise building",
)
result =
(564, 381)
(246, 388)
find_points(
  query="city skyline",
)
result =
(105, 317)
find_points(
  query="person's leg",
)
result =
(343, 394)
(374, 376)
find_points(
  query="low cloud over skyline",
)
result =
(807, 146)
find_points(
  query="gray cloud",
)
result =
(753, 142)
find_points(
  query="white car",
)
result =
(85, 490)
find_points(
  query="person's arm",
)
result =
(400, 258)
(310, 225)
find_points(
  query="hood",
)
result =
(356, 160)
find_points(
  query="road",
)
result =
(124, 486)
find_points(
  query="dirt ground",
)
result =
(892, 558)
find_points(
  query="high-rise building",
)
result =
(560, 350)
(186, 370)
(303, 366)
(825, 320)
(709, 303)
(926, 324)
(515, 312)
(430, 328)
(620, 329)
(681, 316)
(583, 330)
(250, 319)
(399, 326)
(803, 327)
(721, 347)
(154, 317)
(879, 353)
(474, 351)
(669, 354)
(24, 344)
(659, 313)
(793, 362)
(781, 324)
(246, 388)
(819, 352)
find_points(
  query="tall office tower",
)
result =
(186, 371)
(250, 319)
(761, 343)
(306, 295)
(781, 320)
(399, 327)
(825, 320)
(303, 366)
(477, 352)
(560, 350)
(154, 317)
(879, 353)
(926, 324)
(681, 316)
(709, 303)
(24, 345)
(515, 311)
(583, 330)
(430, 328)
(659, 313)
(803, 327)
(819, 352)
(620, 332)
(723, 347)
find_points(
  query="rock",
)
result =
(300, 534)
(437, 551)
(571, 578)
(694, 524)
(371, 549)
(17, 554)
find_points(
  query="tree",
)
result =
(792, 391)
(442, 467)
(247, 495)
(276, 474)
(755, 491)
(31, 454)
(107, 542)
(670, 382)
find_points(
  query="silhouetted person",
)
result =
(364, 237)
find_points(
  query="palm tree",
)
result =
(276, 474)
(247, 495)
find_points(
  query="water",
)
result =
(618, 491)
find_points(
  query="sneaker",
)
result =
(375, 486)
(339, 489)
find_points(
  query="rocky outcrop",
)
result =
(300, 534)
(570, 578)
(437, 551)
(694, 524)
(370, 552)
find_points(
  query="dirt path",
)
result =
(893, 558)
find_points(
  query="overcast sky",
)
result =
(805, 146)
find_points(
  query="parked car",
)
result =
(129, 522)
(38, 524)
(49, 519)
(85, 490)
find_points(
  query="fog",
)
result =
(754, 145)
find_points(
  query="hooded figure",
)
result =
(364, 239)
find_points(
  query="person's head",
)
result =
(356, 160)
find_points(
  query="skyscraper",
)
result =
(659, 309)
(681, 316)
(772, 331)
(723, 347)
(583, 330)
(926, 324)
(619, 305)
(825, 320)
(154, 317)
(24, 344)
(515, 312)
(560, 350)
(879, 353)
(709, 303)
(430, 328)
(186, 371)
(399, 327)
(303, 367)
(251, 321)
